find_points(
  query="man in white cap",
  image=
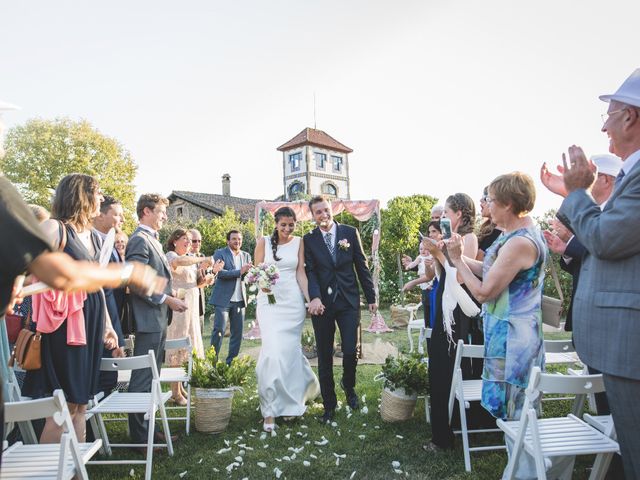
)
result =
(607, 299)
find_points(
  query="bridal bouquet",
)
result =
(263, 277)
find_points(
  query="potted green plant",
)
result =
(214, 384)
(309, 349)
(405, 377)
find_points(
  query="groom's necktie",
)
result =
(328, 239)
(619, 178)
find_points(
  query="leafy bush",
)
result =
(210, 372)
(308, 339)
(406, 371)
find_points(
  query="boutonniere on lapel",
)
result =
(344, 244)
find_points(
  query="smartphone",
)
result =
(420, 236)
(445, 227)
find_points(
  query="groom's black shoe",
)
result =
(352, 397)
(327, 416)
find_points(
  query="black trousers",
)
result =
(347, 318)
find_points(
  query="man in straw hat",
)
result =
(607, 301)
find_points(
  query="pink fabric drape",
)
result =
(361, 210)
(51, 308)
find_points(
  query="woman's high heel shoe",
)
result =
(268, 427)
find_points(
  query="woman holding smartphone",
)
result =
(459, 215)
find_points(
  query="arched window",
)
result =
(330, 189)
(296, 189)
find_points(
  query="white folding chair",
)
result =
(563, 351)
(15, 395)
(181, 375)
(416, 324)
(557, 437)
(466, 391)
(134, 402)
(64, 460)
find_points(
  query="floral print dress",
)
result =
(513, 340)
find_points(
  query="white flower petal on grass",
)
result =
(132, 473)
(306, 463)
(400, 437)
(337, 462)
(364, 398)
(223, 450)
(308, 442)
(288, 436)
(365, 410)
(349, 415)
(273, 433)
(300, 434)
(295, 450)
(262, 464)
(313, 456)
(241, 452)
(254, 430)
(216, 470)
(238, 459)
(353, 474)
(322, 442)
(339, 455)
(361, 437)
(334, 424)
(249, 448)
(226, 442)
(293, 457)
(364, 424)
(277, 472)
(303, 426)
(395, 464)
(266, 446)
(287, 458)
(263, 436)
(200, 461)
(182, 474)
(397, 470)
(377, 427)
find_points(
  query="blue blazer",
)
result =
(226, 280)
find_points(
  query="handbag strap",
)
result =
(62, 230)
(554, 274)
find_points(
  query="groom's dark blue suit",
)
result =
(332, 279)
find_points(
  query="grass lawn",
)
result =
(358, 446)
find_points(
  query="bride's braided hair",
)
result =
(461, 202)
(281, 212)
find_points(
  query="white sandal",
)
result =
(269, 427)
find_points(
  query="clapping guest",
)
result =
(447, 329)
(196, 245)
(509, 284)
(186, 281)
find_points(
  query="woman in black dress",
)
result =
(74, 368)
(488, 232)
(460, 209)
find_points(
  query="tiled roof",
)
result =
(311, 136)
(244, 207)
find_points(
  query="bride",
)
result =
(285, 379)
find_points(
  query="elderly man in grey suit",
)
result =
(151, 315)
(229, 296)
(606, 308)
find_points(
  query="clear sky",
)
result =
(433, 96)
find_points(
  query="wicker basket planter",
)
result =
(213, 409)
(396, 406)
(399, 316)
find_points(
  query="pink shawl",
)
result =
(51, 308)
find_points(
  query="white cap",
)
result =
(607, 164)
(629, 91)
(7, 106)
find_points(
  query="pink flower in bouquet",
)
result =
(263, 277)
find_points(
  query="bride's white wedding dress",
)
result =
(285, 379)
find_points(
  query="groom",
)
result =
(333, 257)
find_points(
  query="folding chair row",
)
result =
(557, 437)
(466, 391)
(65, 460)
(147, 403)
(180, 375)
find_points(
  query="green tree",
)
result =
(41, 152)
(403, 218)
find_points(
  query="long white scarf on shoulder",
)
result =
(454, 295)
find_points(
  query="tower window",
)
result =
(330, 189)
(321, 159)
(337, 163)
(294, 161)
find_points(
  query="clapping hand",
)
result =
(406, 261)
(582, 173)
(219, 265)
(245, 268)
(559, 229)
(553, 182)
(554, 242)
(454, 247)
